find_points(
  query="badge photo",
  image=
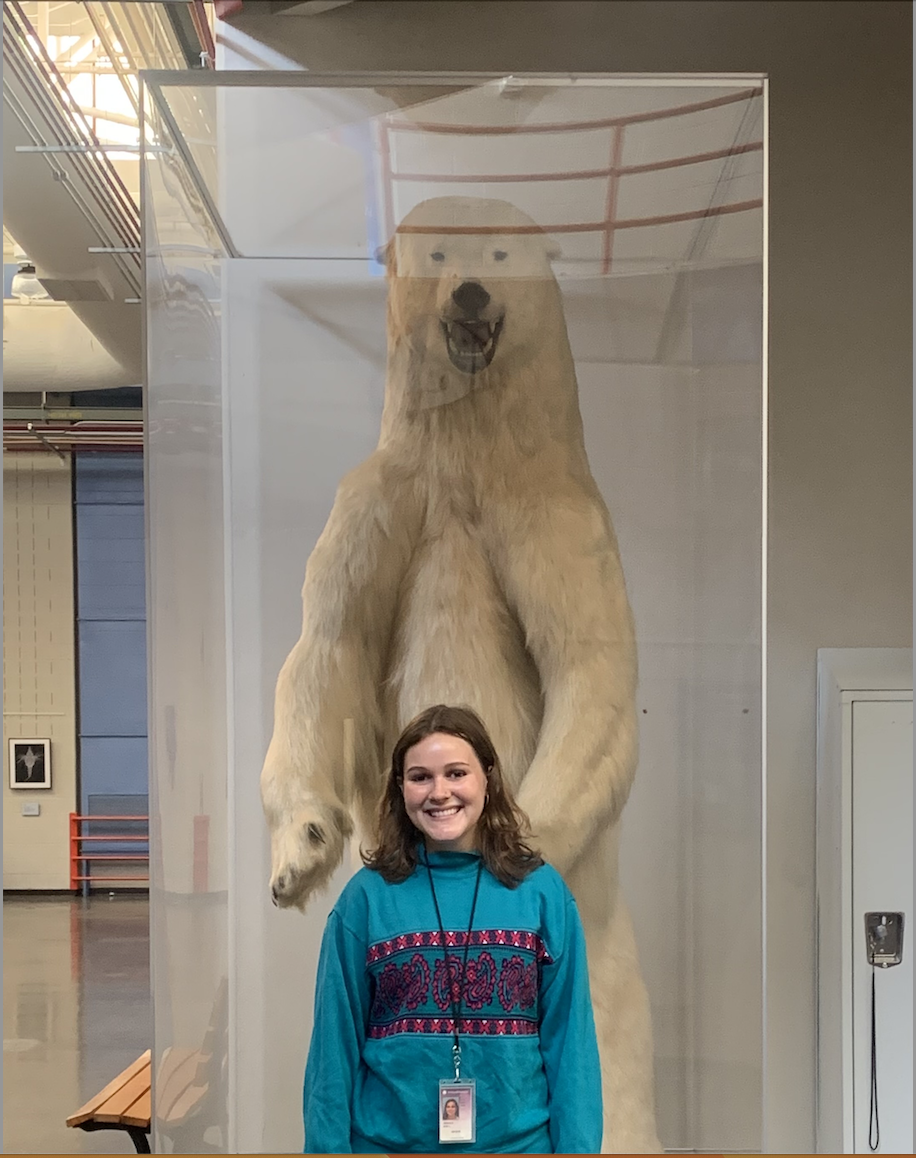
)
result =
(457, 1111)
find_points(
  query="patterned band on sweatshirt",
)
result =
(467, 1026)
(429, 939)
(416, 984)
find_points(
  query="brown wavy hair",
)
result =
(502, 830)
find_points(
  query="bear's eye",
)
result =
(499, 255)
(438, 255)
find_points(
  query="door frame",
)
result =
(843, 676)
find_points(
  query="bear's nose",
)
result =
(470, 297)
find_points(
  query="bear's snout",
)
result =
(470, 297)
(470, 337)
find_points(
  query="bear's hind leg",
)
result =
(624, 1026)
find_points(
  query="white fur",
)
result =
(471, 560)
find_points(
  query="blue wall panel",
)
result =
(112, 678)
(102, 477)
(118, 764)
(110, 550)
(111, 607)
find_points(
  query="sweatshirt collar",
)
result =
(449, 862)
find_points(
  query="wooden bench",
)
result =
(188, 1099)
(190, 1092)
(124, 1104)
(183, 1082)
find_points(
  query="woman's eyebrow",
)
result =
(450, 764)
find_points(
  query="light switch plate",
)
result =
(31, 808)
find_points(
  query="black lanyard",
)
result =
(456, 1004)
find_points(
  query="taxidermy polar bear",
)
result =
(471, 560)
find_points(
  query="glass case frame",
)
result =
(235, 459)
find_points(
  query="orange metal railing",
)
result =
(81, 860)
(610, 224)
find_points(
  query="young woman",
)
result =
(453, 965)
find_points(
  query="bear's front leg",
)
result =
(558, 560)
(305, 787)
(325, 749)
(307, 842)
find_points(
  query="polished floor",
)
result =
(76, 1011)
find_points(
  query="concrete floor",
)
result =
(76, 1011)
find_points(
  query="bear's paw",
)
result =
(306, 848)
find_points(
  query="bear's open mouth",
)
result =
(471, 344)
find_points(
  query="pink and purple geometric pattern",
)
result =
(415, 983)
(477, 1026)
(511, 938)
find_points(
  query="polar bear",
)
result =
(471, 559)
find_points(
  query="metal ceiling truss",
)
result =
(51, 421)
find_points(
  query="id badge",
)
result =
(458, 1111)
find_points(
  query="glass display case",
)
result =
(268, 201)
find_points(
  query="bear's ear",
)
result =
(341, 821)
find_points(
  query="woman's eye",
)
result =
(438, 255)
(458, 772)
(499, 255)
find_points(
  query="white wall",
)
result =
(39, 681)
(840, 516)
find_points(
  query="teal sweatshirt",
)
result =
(382, 1036)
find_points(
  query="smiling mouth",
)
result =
(471, 344)
(443, 813)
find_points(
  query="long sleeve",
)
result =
(341, 1018)
(569, 1045)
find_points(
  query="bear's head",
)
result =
(471, 290)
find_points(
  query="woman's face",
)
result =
(451, 1109)
(444, 791)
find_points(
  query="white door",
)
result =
(882, 880)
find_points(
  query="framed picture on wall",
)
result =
(30, 763)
